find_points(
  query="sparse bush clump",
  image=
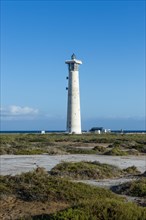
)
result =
(134, 146)
(74, 150)
(133, 188)
(39, 185)
(99, 149)
(132, 170)
(108, 209)
(85, 170)
(116, 151)
(91, 170)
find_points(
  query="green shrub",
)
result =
(116, 151)
(74, 150)
(39, 185)
(108, 209)
(131, 170)
(133, 188)
(85, 170)
(99, 149)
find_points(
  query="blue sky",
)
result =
(36, 39)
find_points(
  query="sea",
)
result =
(62, 131)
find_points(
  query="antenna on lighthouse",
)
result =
(73, 56)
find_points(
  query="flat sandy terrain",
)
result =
(15, 164)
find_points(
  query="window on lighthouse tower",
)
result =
(72, 66)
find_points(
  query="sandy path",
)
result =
(15, 164)
(107, 183)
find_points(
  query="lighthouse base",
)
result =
(74, 132)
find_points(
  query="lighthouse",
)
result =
(73, 105)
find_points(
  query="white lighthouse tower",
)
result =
(73, 108)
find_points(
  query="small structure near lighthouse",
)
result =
(73, 106)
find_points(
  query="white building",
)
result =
(73, 108)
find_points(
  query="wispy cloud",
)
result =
(17, 112)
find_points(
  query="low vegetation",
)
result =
(133, 188)
(65, 144)
(116, 151)
(82, 201)
(107, 209)
(86, 170)
(138, 146)
(53, 196)
(131, 170)
(91, 170)
(39, 185)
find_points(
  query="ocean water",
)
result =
(62, 131)
(29, 132)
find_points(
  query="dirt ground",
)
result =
(13, 208)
